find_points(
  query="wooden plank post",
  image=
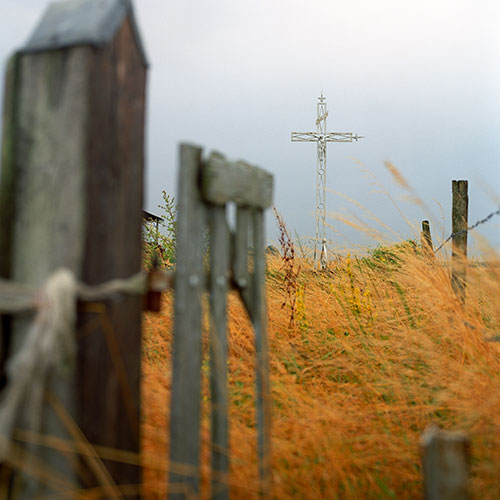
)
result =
(426, 238)
(445, 462)
(251, 189)
(205, 189)
(263, 384)
(184, 476)
(219, 276)
(459, 219)
(71, 196)
(241, 275)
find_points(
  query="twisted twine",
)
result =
(49, 346)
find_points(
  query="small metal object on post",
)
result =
(321, 137)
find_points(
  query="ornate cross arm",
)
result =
(328, 137)
(305, 136)
(342, 137)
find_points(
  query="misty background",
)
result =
(420, 80)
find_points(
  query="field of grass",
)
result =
(380, 348)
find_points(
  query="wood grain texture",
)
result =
(186, 352)
(78, 161)
(445, 463)
(218, 287)
(109, 358)
(48, 230)
(459, 219)
(50, 164)
(223, 181)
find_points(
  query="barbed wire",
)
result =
(463, 231)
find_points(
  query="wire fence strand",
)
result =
(463, 231)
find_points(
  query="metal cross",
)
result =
(321, 137)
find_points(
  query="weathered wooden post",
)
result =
(426, 239)
(71, 196)
(459, 242)
(445, 461)
(186, 356)
(206, 187)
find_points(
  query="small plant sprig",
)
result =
(291, 271)
(159, 242)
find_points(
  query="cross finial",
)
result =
(322, 97)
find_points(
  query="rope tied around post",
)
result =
(49, 348)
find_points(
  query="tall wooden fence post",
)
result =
(459, 242)
(71, 196)
(445, 461)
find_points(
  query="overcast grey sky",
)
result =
(421, 80)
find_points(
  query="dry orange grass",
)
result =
(379, 350)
